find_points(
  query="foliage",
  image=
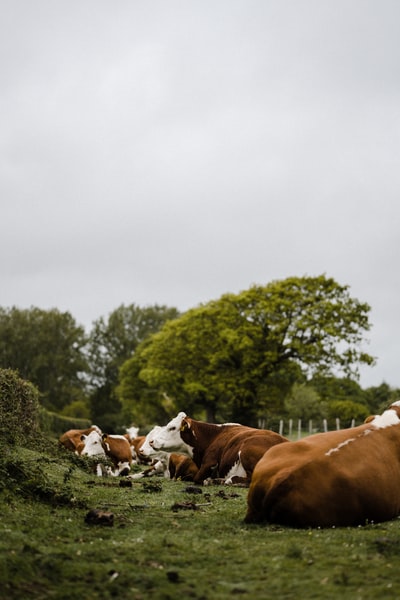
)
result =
(347, 410)
(305, 403)
(46, 348)
(47, 549)
(19, 408)
(77, 408)
(141, 404)
(224, 357)
(332, 389)
(111, 342)
(380, 397)
(54, 424)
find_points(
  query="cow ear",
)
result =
(184, 425)
(103, 437)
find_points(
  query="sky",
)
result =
(167, 152)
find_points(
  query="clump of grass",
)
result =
(30, 481)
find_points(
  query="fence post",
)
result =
(290, 426)
(281, 427)
(310, 426)
(325, 423)
(337, 423)
(353, 422)
(299, 429)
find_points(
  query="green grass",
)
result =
(152, 551)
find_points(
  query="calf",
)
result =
(227, 451)
(341, 478)
(116, 447)
(71, 439)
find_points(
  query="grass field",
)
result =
(170, 540)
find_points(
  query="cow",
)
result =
(339, 478)
(171, 465)
(229, 451)
(71, 439)
(116, 447)
(135, 440)
(132, 432)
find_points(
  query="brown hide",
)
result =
(136, 444)
(216, 448)
(182, 467)
(341, 478)
(71, 439)
(118, 449)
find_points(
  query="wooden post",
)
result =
(337, 423)
(310, 426)
(281, 427)
(325, 422)
(290, 427)
(299, 429)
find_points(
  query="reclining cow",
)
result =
(229, 451)
(340, 478)
(71, 439)
(170, 465)
(115, 447)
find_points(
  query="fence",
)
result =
(296, 428)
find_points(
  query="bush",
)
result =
(53, 424)
(19, 408)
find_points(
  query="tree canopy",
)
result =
(227, 358)
(46, 347)
(111, 342)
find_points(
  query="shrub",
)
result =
(19, 408)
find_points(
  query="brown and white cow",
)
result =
(170, 465)
(116, 447)
(340, 478)
(224, 451)
(71, 439)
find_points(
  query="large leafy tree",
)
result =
(227, 358)
(112, 341)
(46, 347)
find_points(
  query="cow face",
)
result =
(92, 444)
(169, 438)
(146, 449)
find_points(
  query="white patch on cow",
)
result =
(339, 446)
(133, 432)
(93, 446)
(168, 438)
(236, 470)
(387, 419)
(146, 449)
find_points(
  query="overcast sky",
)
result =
(167, 152)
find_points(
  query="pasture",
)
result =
(169, 540)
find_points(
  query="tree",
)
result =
(304, 403)
(222, 357)
(111, 343)
(379, 398)
(46, 348)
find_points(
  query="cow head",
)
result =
(169, 438)
(92, 444)
(146, 449)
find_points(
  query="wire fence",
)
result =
(296, 428)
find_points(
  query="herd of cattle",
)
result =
(339, 478)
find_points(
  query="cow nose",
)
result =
(151, 442)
